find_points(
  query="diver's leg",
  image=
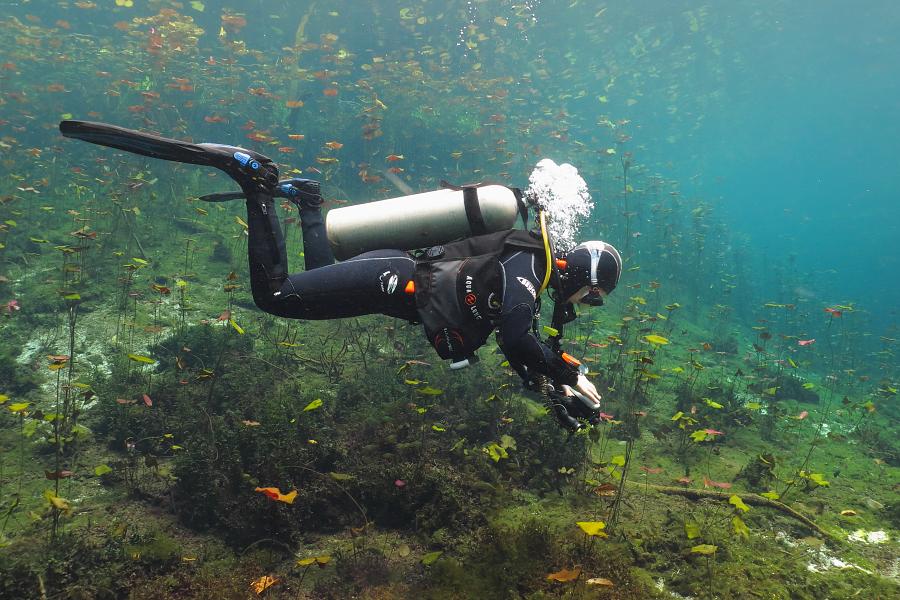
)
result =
(265, 249)
(371, 283)
(306, 194)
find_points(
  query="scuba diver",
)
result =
(461, 291)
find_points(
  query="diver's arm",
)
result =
(521, 347)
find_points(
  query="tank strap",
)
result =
(473, 210)
(523, 207)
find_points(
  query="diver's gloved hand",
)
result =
(305, 193)
(569, 405)
(254, 172)
(585, 388)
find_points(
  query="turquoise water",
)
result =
(741, 155)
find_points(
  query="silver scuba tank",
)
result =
(420, 220)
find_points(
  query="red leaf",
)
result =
(147, 400)
(718, 484)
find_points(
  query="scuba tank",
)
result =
(421, 220)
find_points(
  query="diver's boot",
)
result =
(306, 194)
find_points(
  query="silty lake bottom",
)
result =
(163, 437)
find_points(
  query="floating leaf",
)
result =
(848, 513)
(677, 415)
(313, 405)
(141, 359)
(692, 529)
(740, 528)
(818, 479)
(438, 428)
(496, 452)
(275, 494)
(565, 575)
(593, 528)
(237, 327)
(712, 403)
(197, 5)
(3, 398)
(18, 407)
(753, 405)
(706, 549)
(57, 502)
(262, 584)
(736, 501)
(618, 460)
(771, 495)
(102, 470)
(600, 581)
(656, 340)
(321, 561)
(431, 557)
(430, 391)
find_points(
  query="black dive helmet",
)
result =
(596, 264)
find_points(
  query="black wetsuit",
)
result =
(370, 283)
(374, 283)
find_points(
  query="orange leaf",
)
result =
(275, 494)
(263, 583)
(565, 575)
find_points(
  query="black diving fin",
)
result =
(137, 142)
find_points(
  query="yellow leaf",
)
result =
(57, 502)
(237, 327)
(704, 549)
(241, 222)
(501, 21)
(657, 340)
(592, 528)
(18, 407)
(141, 359)
(430, 391)
(262, 584)
(740, 528)
(3, 398)
(565, 575)
(313, 405)
(738, 503)
(599, 581)
(198, 6)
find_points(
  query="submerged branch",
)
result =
(747, 497)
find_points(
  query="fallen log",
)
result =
(747, 497)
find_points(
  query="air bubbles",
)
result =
(563, 194)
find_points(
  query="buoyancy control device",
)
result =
(422, 220)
